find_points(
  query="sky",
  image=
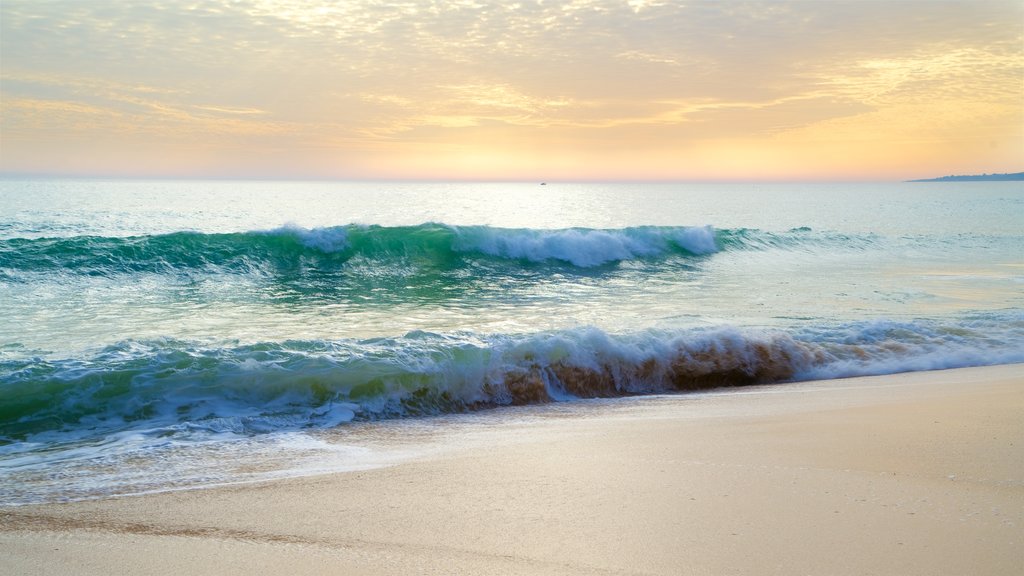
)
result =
(474, 90)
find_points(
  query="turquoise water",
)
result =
(144, 318)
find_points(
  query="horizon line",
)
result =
(496, 180)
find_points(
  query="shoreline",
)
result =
(913, 473)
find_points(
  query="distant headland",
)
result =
(976, 178)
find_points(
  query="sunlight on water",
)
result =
(148, 319)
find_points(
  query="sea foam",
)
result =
(584, 247)
(184, 390)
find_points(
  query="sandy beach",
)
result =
(920, 473)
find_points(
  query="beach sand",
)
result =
(919, 473)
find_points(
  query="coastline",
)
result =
(915, 473)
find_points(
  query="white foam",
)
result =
(697, 240)
(328, 240)
(582, 247)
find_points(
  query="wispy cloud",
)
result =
(562, 80)
(231, 111)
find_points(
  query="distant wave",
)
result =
(294, 250)
(174, 389)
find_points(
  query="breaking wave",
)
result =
(183, 390)
(294, 250)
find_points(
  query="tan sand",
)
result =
(912, 474)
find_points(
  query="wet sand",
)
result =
(920, 473)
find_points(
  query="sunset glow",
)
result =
(535, 90)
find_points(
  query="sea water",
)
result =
(156, 334)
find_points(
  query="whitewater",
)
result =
(167, 334)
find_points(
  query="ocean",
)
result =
(172, 334)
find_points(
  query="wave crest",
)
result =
(178, 387)
(585, 248)
(292, 249)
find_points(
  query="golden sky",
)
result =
(579, 90)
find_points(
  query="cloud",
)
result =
(231, 111)
(571, 78)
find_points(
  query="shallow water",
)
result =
(231, 318)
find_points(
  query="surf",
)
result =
(185, 389)
(295, 250)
